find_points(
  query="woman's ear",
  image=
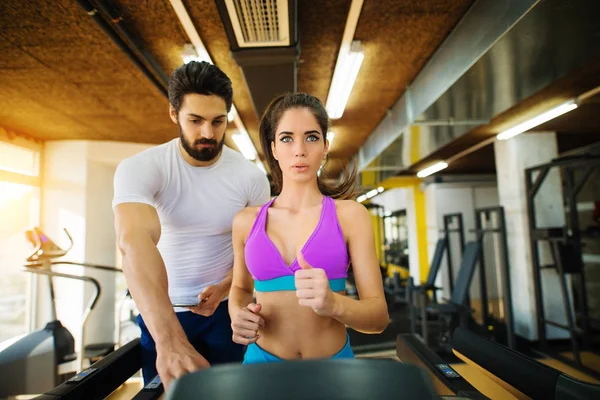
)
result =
(273, 151)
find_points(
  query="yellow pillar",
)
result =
(421, 222)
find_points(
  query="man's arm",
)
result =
(138, 231)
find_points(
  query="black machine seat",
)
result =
(436, 264)
(454, 312)
(307, 379)
(524, 374)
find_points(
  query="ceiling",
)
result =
(63, 78)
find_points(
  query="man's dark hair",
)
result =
(201, 78)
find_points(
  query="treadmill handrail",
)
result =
(88, 265)
(89, 279)
(532, 378)
(88, 309)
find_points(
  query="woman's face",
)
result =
(299, 145)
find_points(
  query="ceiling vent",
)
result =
(259, 23)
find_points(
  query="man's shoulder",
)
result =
(147, 157)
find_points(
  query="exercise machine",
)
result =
(566, 249)
(307, 379)
(497, 321)
(521, 376)
(455, 312)
(399, 290)
(453, 224)
(35, 362)
(447, 381)
(396, 258)
(310, 379)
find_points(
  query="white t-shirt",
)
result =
(196, 206)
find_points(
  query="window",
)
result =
(19, 211)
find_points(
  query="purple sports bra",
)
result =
(325, 249)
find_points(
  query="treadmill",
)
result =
(520, 375)
(356, 379)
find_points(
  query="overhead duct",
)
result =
(523, 58)
(486, 22)
(263, 39)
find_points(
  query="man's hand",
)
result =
(245, 324)
(209, 300)
(312, 289)
(175, 360)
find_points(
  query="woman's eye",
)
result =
(285, 139)
(313, 138)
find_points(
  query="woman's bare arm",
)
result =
(369, 314)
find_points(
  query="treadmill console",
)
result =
(153, 384)
(447, 371)
(45, 248)
(82, 375)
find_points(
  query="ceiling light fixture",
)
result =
(343, 80)
(538, 120)
(244, 144)
(348, 63)
(432, 169)
(370, 194)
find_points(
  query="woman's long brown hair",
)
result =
(268, 126)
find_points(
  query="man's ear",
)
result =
(172, 113)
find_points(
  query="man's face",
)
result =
(202, 123)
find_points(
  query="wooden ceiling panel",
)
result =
(166, 43)
(66, 79)
(15, 59)
(30, 117)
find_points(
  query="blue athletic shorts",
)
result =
(256, 354)
(210, 336)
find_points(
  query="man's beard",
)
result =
(203, 154)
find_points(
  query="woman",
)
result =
(295, 250)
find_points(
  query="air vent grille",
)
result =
(259, 23)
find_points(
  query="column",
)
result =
(513, 156)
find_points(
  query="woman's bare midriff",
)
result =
(293, 331)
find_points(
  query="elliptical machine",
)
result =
(38, 361)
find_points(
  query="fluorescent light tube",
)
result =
(343, 81)
(244, 144)
(191, 53)
(232, 113)
(432, 169)
(540, 119)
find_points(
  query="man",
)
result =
(174, 205)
